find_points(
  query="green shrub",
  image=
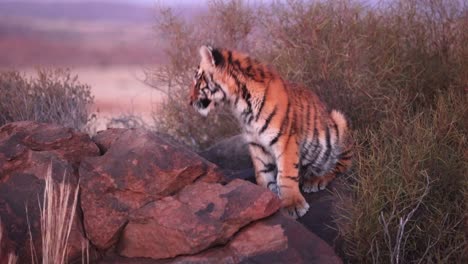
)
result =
(53, 96)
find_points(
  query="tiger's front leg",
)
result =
(287, 158)
(265, 167)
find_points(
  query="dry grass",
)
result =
(54, 96)
(234, 23)
(127, 121)
(12, 258)
(85, 252)
(57, 209)
(398, 70)
(409, 192)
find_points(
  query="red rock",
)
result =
(105, 138)
(200, 216)
(276, 239)
(66, 143)
(138, 167)
(27, 149)
(4, 244)
(256, 239)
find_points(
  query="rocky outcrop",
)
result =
(144, 199)
(137, 168)
(276, 239)
(16, 138)
(27, 149)
(200, 216)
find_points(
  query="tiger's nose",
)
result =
(193, 97)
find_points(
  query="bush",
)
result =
(399, 72)
(408, 196)
(234, 24)
(53, 96)
(127, 121)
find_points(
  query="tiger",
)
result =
(293, 138)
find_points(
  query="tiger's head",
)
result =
(208, 88)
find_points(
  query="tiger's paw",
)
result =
(272, 186)
(295, 207)
(317, 183)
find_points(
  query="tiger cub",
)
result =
(292, 136)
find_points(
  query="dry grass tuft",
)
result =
(57, 214)
(85, 251)
(12, 258)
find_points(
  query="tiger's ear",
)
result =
(210, 55)
(207, 55)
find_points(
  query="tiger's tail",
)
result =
(342, 124)
(345, 142)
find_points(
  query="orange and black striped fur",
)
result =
(293, 137)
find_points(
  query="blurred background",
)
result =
(107, 44)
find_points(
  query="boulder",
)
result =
(276, 239)
(151, 201)
(105, 138)
(229, 154)
(66, 143)
(5, 245)
(138, 167)
(320, 219)
(200, 216)
(27, 149)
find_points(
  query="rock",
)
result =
(105, 138)
(200, 216)
(139, 167)
(320, 217)
(245, 174)
(70, 145)
(4, 244)
(27, 149)
(229, 154)
(277, 239)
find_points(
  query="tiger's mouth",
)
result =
(204, 103)
(203, 106)
(201, 103)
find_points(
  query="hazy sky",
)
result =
(128, 1)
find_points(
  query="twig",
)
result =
(398, 245)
